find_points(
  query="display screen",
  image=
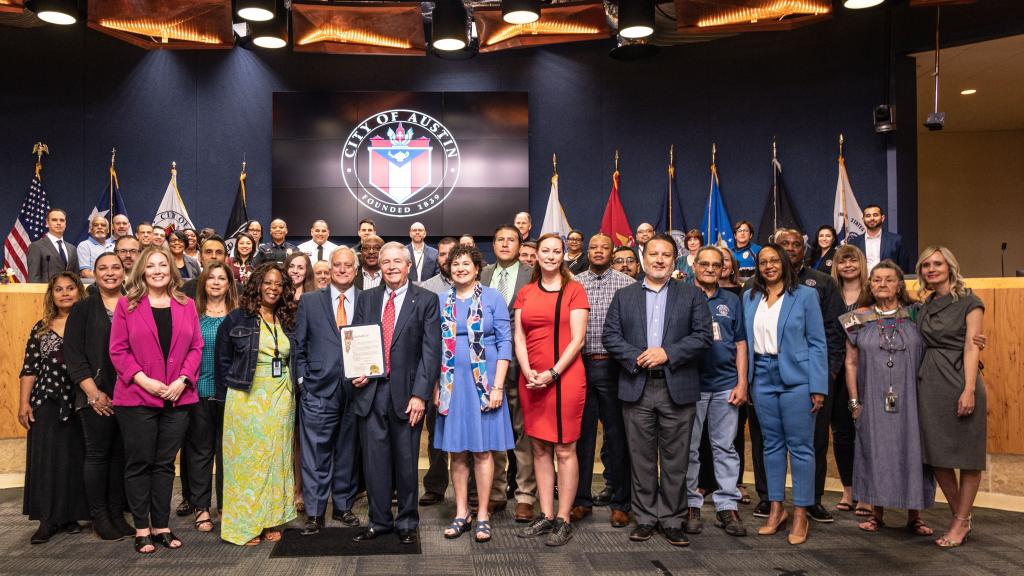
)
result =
(456, 161)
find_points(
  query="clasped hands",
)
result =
(535, 379)
(169, 392)
(652, 358)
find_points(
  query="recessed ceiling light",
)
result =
(859, 4)
(968, 92)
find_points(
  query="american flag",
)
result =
(29, 227)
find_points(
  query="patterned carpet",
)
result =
(995, 548)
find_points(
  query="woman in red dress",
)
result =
(550, 323)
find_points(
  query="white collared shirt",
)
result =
(873, 250)
(309, 247)
(399, 300)
(371, 280)
(766, 326)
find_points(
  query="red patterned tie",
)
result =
(388, 325)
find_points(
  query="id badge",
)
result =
(276, 367)
(717, 331)
(891, 402)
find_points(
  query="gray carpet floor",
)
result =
(996, 547)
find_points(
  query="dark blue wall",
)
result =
(82, 92)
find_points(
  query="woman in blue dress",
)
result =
(472, 418)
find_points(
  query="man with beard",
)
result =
(878, 244)
(624, 260)
(369, 258)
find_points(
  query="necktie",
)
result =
(319, 257)
(503, 285)
(388, 325)
(63, 254)
(341, 317)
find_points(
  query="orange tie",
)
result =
(340, 316)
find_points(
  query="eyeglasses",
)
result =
(711, 265)
(369, 249)
(124, 252)
(769, 262)
(624, 261)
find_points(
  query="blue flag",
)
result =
(716, 226)
(110, 204)
(670, 217)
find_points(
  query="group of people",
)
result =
(233, 359)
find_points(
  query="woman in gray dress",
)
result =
(951, 402)
(883, 355)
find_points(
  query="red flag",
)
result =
(614, 222)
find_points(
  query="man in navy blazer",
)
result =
(327, 422)
(878, 244)
(424, 258)
(390, 409)
(657, 330)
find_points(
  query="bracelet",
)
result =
(853, 404)
(554, 374)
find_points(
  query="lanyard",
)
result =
(276, 354)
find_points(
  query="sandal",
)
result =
(167, 540)
(482, 533)
(272, 535)
(917, 526)
(844, 506)
(863, 511)
(872, 524)
(457, 528)
(206, 524)
(143, 541)
(947, 542)
(254, 542)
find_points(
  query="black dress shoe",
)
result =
(407, 536)
(603, 497)
(818, 513)
(431, 498)
(369, 534)
(642, 532)
(675, 536)
(72, 528)
(44, 533)
(121, 524)
(184, 508)
(313, 525)
(346, 517)
(763, 509)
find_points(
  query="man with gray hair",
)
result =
(524, 223)
(122, 227)
(97, 243)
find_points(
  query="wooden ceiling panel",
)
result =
(165, 24)
(732, 16)
(16, 6)
(392, 28)
(560, 23)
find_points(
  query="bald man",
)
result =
(424, 258)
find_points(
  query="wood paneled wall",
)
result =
(21, 306)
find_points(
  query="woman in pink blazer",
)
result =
(156, 348)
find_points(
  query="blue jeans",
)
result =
(722, 420)
(603, 403)
(787, 424)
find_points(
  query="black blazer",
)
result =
(415, 347)
(891, 248)
(687, 334)
(87, 347)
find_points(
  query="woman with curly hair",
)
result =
(254, 345)
(54, 493)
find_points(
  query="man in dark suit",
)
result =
(390, 409)
(424, 258)
(212, 249)
(51, 255)
(878, 244)
(507, 276)
(657, 330)
(328, 423)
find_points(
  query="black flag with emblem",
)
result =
(779, 211)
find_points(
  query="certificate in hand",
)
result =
(362, 351)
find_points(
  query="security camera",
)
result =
(935, 121)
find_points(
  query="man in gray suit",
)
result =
(657, 330)
(51, 255)
(507, 276)
(328, 423)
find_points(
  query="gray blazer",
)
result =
(44, 260)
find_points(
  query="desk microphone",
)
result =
(1002, 260)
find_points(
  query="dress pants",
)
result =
(787, 425)
(328, 440)
(844, 434)
(436, 478)
(757, 451)
(526, 482)
(390, 449)
(658, 433)
(152, 437)
(104, 463)
(822, 424)
(721, 418)
(603, 403)
(201, 450)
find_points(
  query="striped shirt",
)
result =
(600, 288)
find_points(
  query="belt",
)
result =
(656, 374)
(596, 356)
(767, 356)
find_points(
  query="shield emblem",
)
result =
(400, 166)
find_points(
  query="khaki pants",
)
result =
(526, 491)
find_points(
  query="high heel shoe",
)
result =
(947, 542)
(768, 529)
(796, 539)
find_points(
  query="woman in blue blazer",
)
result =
(788, 369)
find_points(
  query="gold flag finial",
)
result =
(842, 140)
(174, 167)
(671, 153)
(774, 149)
(714, 153)
(616, 159)
(554, 163)
(39, 149)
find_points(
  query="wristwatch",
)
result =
(554, 374)
(188, 382)
(853, 404)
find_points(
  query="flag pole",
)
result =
(39, 149)
(711, 188)
(775, 187)
(846, 216)
(671, 178)
(241, 177)
(554, 163)
(110, 214)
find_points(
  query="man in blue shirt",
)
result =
(723, 389)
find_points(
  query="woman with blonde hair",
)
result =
(951, 392)
(156, 348)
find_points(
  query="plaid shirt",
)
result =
(600, 289)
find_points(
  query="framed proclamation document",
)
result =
(362, 351)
